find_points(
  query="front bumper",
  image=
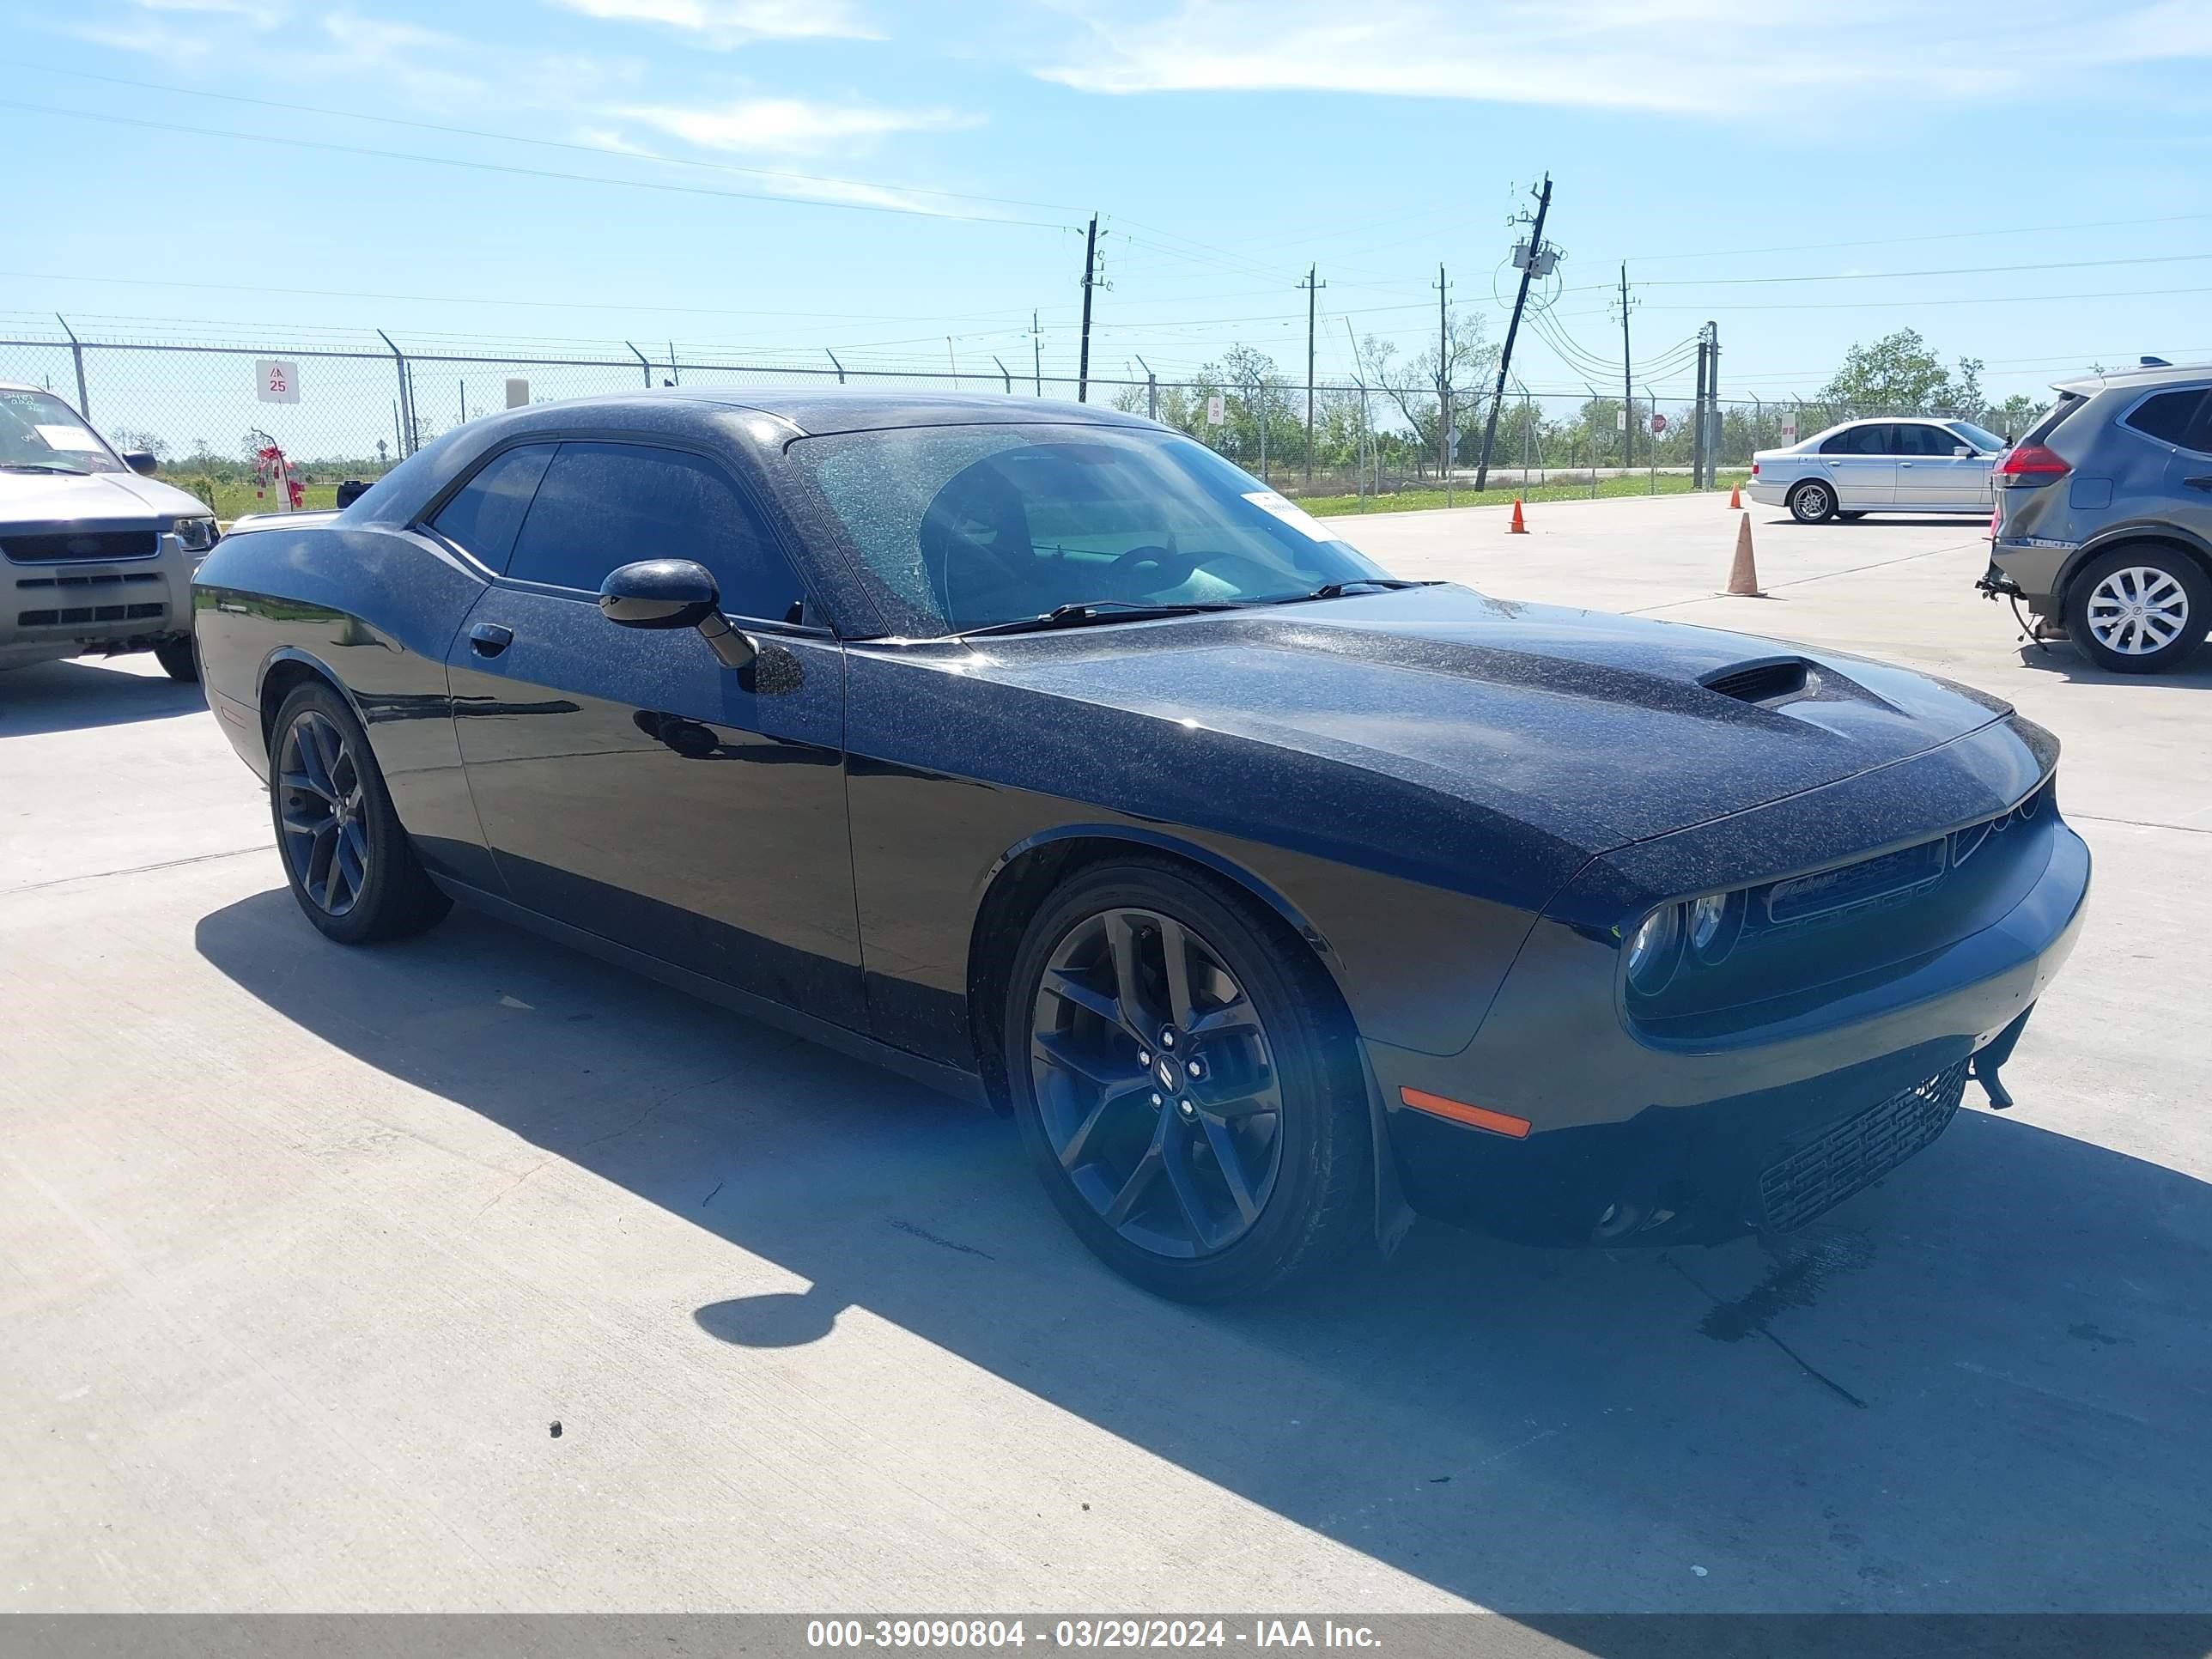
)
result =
(1633, 1141)
(68, 608)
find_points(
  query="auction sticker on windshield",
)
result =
(1269, 500)
(67, 437)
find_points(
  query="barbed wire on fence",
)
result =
(360, 402)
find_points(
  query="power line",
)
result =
(1938, 236)
(512, 170)
(1892, 276)
(544, 143)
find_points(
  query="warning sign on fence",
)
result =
(277, 382)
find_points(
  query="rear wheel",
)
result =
(178, 659)
(1185, 1083)
(350, 865)
(1812, 502)
(2140, 610)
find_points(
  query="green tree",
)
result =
(1898, 373)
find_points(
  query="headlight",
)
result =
(1715, 921)
(1654, 948)
(196, 534)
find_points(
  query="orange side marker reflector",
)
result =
(1479, 1117)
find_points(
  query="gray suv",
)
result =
(2104, 518)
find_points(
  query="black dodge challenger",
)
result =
(1035, 750)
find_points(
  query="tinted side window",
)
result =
(482, 517)
(2168, 417)
(1913, 438)
(1859, 440)
(603, 505)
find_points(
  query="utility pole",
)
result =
(1036, 354)
(1089, 280)
(1312, 288)
(1713, 402)
(1538, 262)
(1697, 437)
(1628, 391)
(1444, 387)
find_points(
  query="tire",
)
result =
(179, 660)
(2139, 610)
(1193, 1204)
(1812, 502)
(349, 863)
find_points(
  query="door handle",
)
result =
(1904, 464)
(489, 638)
(2198, 483)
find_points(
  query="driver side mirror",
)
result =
(674, 593)
(1960, 452)
(141, 461)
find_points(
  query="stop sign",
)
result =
(1658, 422)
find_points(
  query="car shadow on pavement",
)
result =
(2060, 659)
(68, 696)
(1978, 1387)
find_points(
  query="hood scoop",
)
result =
(1769, 681)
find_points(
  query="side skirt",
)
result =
(945, 1079)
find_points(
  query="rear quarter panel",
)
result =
(374, 609)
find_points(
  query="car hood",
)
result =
(110, 498)
(1597, 729)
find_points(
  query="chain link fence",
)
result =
(362, 402)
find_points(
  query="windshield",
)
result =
(959, 528)
(1977, 436)
(38, 429)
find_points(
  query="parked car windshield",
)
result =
(959, 528)
(38, 429)
(1980, 437)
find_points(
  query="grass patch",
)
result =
(1416, 500)
(235, 500)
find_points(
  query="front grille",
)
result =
(89, 613)
(98, 579)
(58, 547)
(1858, 1152)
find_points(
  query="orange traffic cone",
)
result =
(1519, 526)
(1736, 499)
(1743, 575)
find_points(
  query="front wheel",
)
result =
(1812, 502)
(1186, 1084)
(178, 659)
(350, 865)
(2139, 610)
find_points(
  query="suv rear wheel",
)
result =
(2140, 610)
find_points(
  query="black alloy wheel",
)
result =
(1174, 1076)
(349, 863)
(1156, 1083)
(322, 813)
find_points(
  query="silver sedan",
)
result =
(1860, 467)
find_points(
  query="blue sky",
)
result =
(871, 177)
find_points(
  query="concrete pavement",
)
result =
(303, 1250)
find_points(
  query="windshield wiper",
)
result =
(43, 466)
(1088, 611)
(1337, 590)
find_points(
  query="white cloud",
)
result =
(1718, 57)
(259, 15)
(737, 22)
(789, 126)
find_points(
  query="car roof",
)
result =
(812, 410)
(2142, 375)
